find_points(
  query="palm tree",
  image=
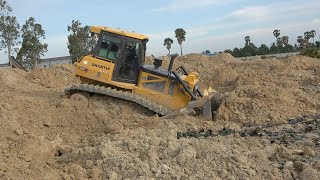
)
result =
(279, 42)
(300, 41)
(276, 33)
(247, 39)
(313, 34)
(307, 36)
(181, 36)
(168, 42)
(285, 40)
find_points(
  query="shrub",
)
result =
(311, 52)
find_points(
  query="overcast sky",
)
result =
(215, 25)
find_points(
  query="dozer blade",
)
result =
(212, 105)
(209, 104)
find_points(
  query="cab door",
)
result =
(128, 66)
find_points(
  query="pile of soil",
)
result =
(57, 76)
(45, 135)
(261, 90)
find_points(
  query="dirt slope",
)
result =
(261, 90)
(44, 135)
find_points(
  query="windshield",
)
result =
(109, 47)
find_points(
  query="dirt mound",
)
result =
(57, 76)
(12, 77)
(195, 60)
(257, 91)
(44, 135)
(220, 58)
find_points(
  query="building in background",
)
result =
(46, 63)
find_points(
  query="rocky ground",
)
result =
(267, 127)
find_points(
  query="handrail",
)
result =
(193, 97)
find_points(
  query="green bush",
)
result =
(263, 57)
(311, 52)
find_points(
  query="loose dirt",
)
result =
(44, 135)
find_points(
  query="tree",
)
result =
(181, 36)
(168, 42)
(263, 49)
(290, 48)
(237, 52)
(300, 41)
(279, 42)
(285, 41)
(5, 8)
(249, 50)
(228, 51)
(80, 42)
(9, 33)
(307, 36)
(276, 33)
(247, 39)
(32, 48)
(273, 48)
(312, 35)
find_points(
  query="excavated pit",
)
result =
(44, 135)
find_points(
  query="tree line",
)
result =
(281, 45)
(29, 36)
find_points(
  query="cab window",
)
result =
(155, 84)
(132, 52)
(171, 88)
(109, 47)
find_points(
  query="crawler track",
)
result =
(159, 109)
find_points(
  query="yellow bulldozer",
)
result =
(116, 68)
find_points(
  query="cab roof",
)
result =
(98, 29)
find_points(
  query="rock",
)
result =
(299, 166)
(289, 165)
(18, 132)
(80, 100)
(62, 149)
(26, 131)
(309, 151)
(96, 173)
(223, 173)
(89, 163)
(240, 158)
(165, 169)
(309, 174)
(47, 123)
(297, 152)
(99, 163)
(186, 152)
(112, 175)
(309, 143)
(288, 175)
(311, 136)
(7, 106)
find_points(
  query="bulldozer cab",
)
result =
(127, 53)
